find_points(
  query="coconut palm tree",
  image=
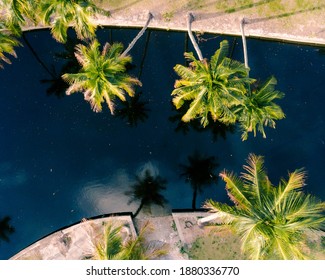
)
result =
(114, 247)
(214, 87)
(271, 221)
(102, 76)
(60, 14)
(5, 229)
(7, 44)
(199, 173)
(220, 89)
(258, 109)
(147, 189)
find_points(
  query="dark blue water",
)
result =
(60, 162)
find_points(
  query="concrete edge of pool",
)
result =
(76, 242)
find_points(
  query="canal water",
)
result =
(61, 162)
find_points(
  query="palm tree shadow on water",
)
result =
(216, 128)
(133, 110)
(199, 172)
(57, 86)
(147, 189)
(6, 229)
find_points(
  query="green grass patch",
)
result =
(214, 246)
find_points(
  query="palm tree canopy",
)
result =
(258, 109)
(214, 86)
(114, 247)
(102, 76)
(60, 14)
(270, 220)
(7, 44)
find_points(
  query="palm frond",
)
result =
(220, 54)
(60, 14)
(255, 177)
(7, 44)
(236, 191)
(296, 182)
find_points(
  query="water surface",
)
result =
(60, 162)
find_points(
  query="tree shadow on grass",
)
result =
(230, 10)
(284, 15)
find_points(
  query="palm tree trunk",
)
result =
(194, 197)
(139, 209)
(186, 62)
(207, 219)
(242, 22)
(190, 18)
(150, 16)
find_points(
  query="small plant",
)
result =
(183, 249)
(323, 242)
(167, 16)
(174, 226)
(66, 240)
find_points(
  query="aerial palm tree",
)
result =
(147, 189)
(102, 76)
(5, 229)
(60, 14)
(214, 87)
(221, 89)
(258, 109)
(199, 173)
(7, 44)
(114, 247)
(271, 221)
